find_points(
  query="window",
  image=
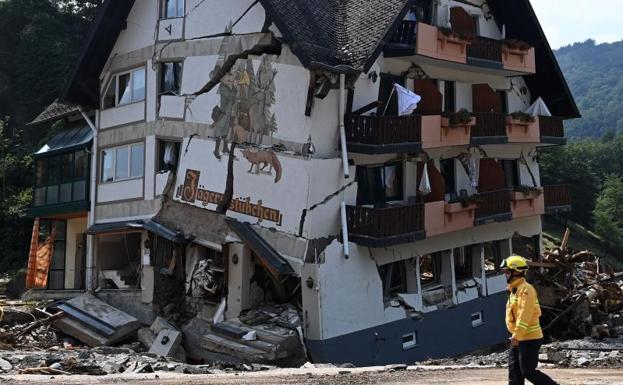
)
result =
(56, 272)
(172, 9)
(379, 185)
(477, 319)
(128, 87)
(61, 179)
(503, 101)
(447, 170)
(168, 155)
(430, 269)
(449, 96)
(394, 278)
(409, 341)
(123, 163)
(476, 19)
(387, 95)
(463, 263)
(493, 257)
(170, 78)
(511, 173)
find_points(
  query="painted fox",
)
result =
(262, 159)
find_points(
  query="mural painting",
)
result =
(262, 159)
(191, 192)
(244, 112)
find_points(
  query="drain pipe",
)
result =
(344, 230)
(342, 112)
(91, 218)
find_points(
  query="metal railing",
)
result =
(383, 129)
(494, 203)
(405, 33)
(484, 48)
(551, 126)
(489, 124)
(557, 196)
(385, 222)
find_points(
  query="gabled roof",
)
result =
(549, 82)
(83, 85)
(55, 111)
(336, 32)
(320, 32)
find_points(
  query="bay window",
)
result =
(123, 163)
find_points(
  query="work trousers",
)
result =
(522, 363)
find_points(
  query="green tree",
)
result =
(608, 213)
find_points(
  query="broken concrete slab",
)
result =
(94, 322)
(166, 343)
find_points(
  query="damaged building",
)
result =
(250, 164)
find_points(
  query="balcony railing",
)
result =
(405, 34)
(551, 126)
(378, 227)
(485, 51)
(490, 128)
(383, 134)
(494, 206)
(557, 198)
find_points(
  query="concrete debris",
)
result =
(587, 352)
(94, 322)
(579, 295)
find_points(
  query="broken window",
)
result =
(379, 185)
(172, 9)
(394, 278)
(171, 78)
(493, 257)
(463, 263)
(119, 259)
(123, 163)
(125, 88)
(430, 269)
(168, 155)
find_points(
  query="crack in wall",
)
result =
(326, 200)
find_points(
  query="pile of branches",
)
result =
(24, 325)
(580, 294)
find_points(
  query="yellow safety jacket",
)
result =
(523, 311)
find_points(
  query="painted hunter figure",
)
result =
(243, 114)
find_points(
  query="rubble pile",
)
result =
(579, 294)
(587, 352)
(106, 360)
(24, 325)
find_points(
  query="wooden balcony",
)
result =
(414, 38)
(383, 134)
(557, 198)
(485, 52)
(490, 128)
(381, 227)
(552, 130)
(494, 206)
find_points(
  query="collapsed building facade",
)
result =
(233, 154)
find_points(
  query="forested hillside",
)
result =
(595, 76)
(39, 43)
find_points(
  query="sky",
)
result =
(572, 21)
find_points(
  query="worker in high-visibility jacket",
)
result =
(522, 320)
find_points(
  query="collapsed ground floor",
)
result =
(379, 306)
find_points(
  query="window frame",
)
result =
(72, 180)
(465, 255)
(163, 9)
(114, 149)
(449, 101)
(160, 145)
(114, 80)
(496, 249)
(369, 189)
(437, 268)
(161, 74)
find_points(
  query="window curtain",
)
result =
(39, 259)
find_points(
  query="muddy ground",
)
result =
(413, 376)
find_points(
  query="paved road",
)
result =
(329, 377)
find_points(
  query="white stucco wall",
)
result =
(141, 27)
(208, 18)
(120, 191)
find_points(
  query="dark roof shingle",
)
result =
(335, 32)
